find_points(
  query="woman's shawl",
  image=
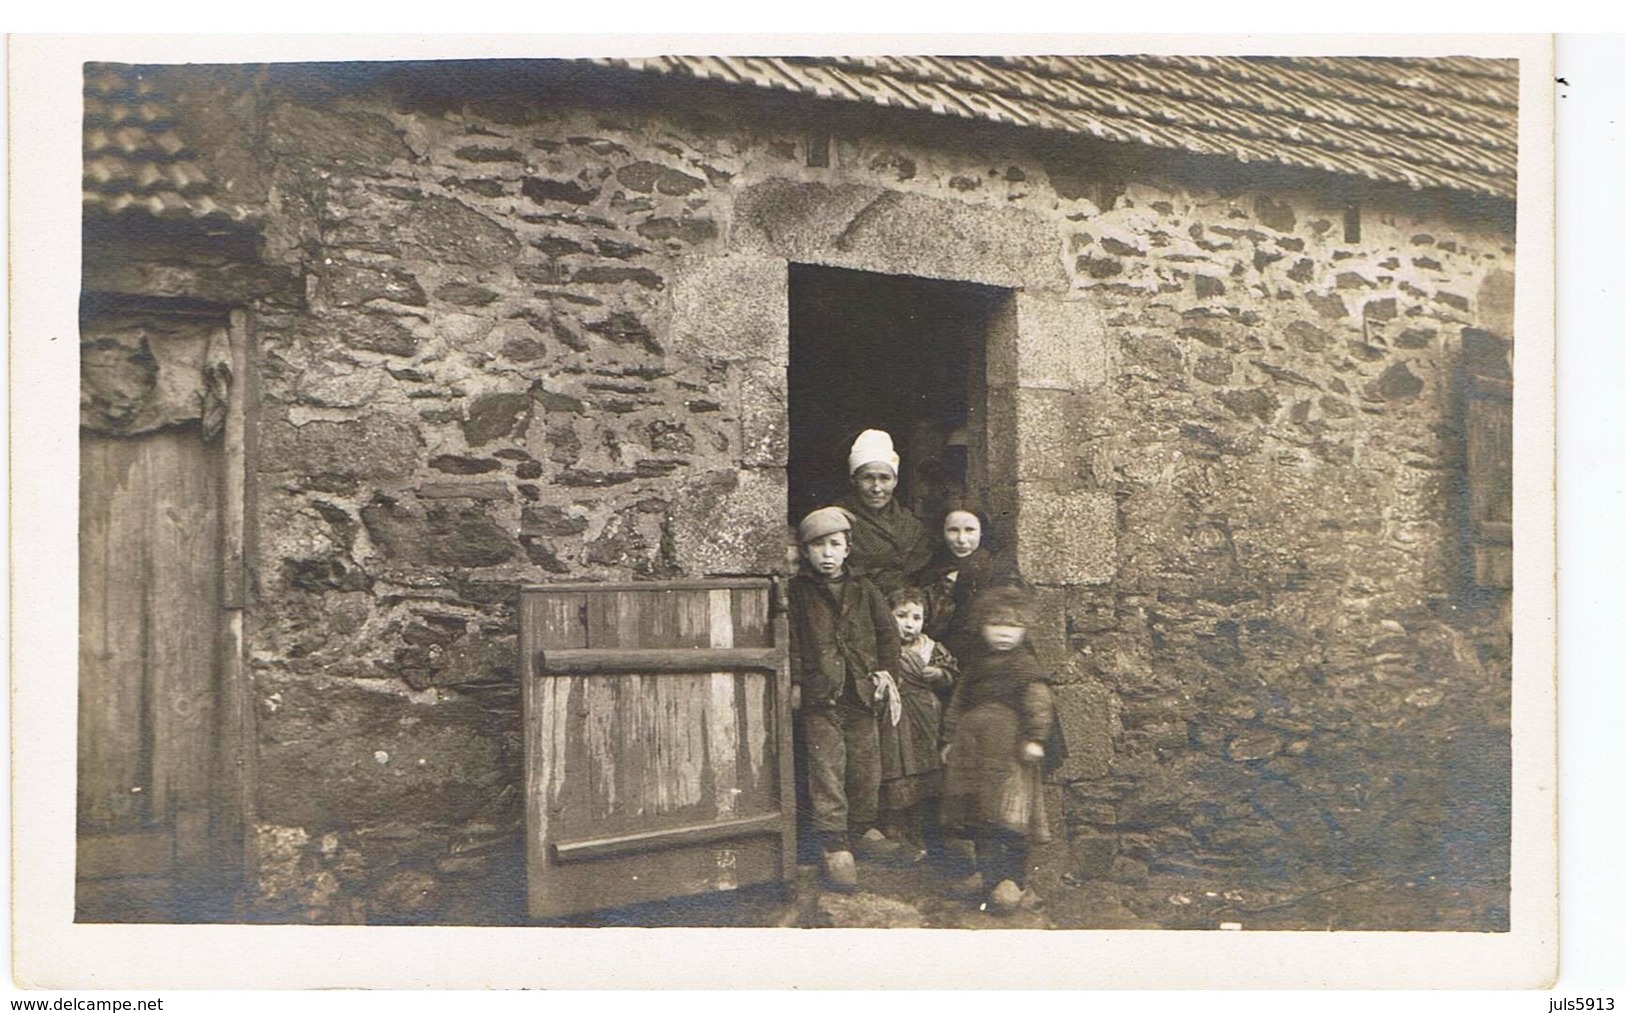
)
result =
(887, 544)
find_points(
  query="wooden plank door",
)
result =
(149, 608)
(657, 742)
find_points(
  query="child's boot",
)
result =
(840, 871)
(1005, 898)
(876, 845)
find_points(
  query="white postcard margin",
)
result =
(50, 951)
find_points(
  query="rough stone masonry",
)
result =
(508, 335)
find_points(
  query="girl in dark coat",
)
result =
(995, 729)
(964, 565)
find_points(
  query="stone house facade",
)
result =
(501, 323)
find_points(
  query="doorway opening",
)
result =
(159, 831)
(903, 354)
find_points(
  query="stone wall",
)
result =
(512, 365)
(509, 339)
(1295, 681)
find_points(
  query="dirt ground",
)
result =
(1429, 853)
(921, 897)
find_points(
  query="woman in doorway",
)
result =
(888, 541)
(964, 565)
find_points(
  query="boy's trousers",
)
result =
(843, 771)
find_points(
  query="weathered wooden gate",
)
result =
(657, 741)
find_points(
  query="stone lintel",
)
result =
(228, 284)
(890, 232)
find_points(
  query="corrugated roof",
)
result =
(1448, 123)
(136, 161)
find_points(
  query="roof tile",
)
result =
(135, 160)
(1445, 123)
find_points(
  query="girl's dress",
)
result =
(910, 766)
(1003, 700)
(951, 585)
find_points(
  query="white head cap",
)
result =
(873, 446)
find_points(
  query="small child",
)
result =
(843, 647)
(911, 775)
(995, 728)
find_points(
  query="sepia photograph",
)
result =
(1042, 490)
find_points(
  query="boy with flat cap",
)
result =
(843, 646)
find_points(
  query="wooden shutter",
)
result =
(1487, 424)
(657, 742)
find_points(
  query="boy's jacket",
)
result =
(839, 634)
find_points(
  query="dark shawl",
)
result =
(1016, 680)
(887, 544)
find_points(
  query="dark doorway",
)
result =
(903, 354)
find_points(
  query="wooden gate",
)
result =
(657, 742)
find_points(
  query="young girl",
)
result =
(963, 565)
(911, 776)
(995, 728)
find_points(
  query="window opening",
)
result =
(818, 149)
